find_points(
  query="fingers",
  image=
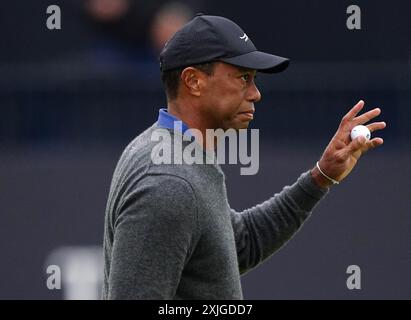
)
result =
(363, 145)
(354, 111)
(350, 120)
(376, 126)
(346, 122)
(374, 143)
(366, 116)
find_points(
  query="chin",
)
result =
(241, 125)
(245, 126)
(236, 124)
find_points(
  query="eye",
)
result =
(245, 77)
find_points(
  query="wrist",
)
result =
(320, 179)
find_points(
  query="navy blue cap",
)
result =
(212, 38)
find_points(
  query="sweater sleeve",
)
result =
(263, 229)
(153, 236)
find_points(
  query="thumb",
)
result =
(357, 144)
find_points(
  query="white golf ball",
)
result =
(360, 131)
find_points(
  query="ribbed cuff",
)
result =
(306, 181)
(307, 193)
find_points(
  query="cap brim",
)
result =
(260, 61)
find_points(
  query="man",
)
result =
(169, 230)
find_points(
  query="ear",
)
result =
(193, 80)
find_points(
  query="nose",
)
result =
(253, 93)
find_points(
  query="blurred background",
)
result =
(72, 99)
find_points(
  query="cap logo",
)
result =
(244, 37)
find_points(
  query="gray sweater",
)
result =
(170, 232)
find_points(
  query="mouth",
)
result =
(249, 114)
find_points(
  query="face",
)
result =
(228, 97)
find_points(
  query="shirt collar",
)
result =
(166, 120)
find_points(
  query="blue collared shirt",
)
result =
(166, 120)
